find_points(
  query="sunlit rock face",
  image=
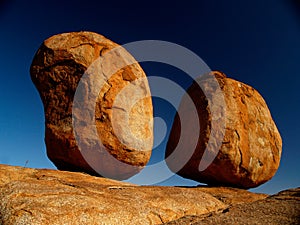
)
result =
(97, 104)
(250, 148)
(42, 196)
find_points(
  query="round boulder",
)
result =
(250, 148)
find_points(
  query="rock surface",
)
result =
(31, 196)
(120, 145)
(250, 151)
(280, 209)
(41, 196)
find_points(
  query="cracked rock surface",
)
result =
(250, 151)
(112, 138)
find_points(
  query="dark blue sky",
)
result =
(256, 42)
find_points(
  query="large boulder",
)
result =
(97, 104)
(250, 145)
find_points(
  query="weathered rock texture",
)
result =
(250, 151)
(56, 71)
(41, 196)
(31, 196)
(280, 209)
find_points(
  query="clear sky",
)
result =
(256, 42)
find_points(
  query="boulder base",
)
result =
(40, 196)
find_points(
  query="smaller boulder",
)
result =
(249, 152)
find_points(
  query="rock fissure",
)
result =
(81, 44)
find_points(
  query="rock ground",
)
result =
(42, 196)
(280, 209)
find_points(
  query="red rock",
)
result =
(57, 69)
(35, 196)
(250, 151)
